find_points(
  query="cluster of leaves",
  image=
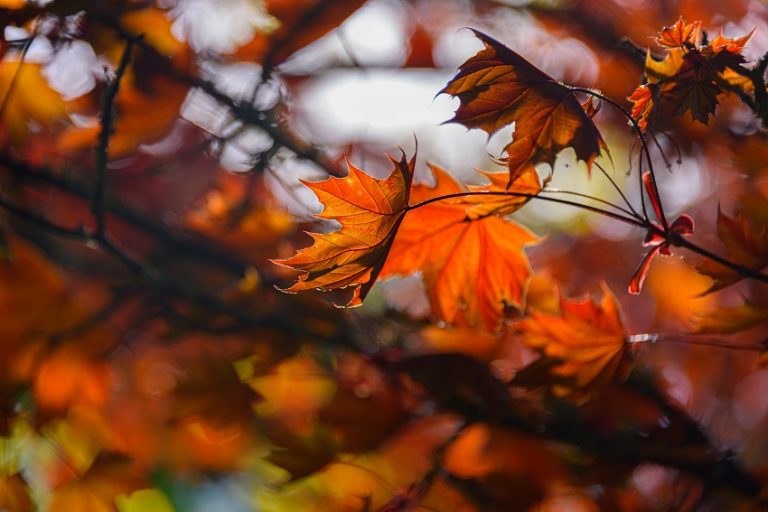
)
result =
(149, 362)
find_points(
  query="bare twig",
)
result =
(107, 121)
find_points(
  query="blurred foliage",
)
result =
(158, 158)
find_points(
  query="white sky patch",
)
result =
(219, 25)
(39, 51)
(375, 105)
(389, 108)
(72, 71)
(376, 34)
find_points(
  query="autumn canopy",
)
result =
(349, 255)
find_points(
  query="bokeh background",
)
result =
(114, 371)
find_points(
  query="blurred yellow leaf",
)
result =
(28, 99)
(145, 500)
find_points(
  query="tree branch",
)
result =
(102, 150)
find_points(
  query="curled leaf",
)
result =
(498, 87)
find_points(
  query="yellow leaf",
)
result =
(145, 500)
(28, 98)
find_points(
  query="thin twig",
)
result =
(17, 72)
(643, 142)
(618, 189)
(592, 198)
(196, 247)
(241, 111)
(594, 209)
(680, 241)
(693, 339)
(107, 121)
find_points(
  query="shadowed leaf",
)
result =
(498, 87)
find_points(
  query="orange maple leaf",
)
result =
(680, 34)
(369, 211)
(691, 75)
(582, 347)
(472, 261)
(733, 319)
(497, 87)
(745, 242)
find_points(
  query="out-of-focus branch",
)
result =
(166, 285)
(240, 110)
(107, 122)
(481, 397)
(192, 245)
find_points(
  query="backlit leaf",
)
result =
(745, 243)
(691, 75)
(498, 87)
(370, 212)
(14, 494)
(733, 319)
(97, 489)
(472, 263)
(582, 347)
(27, 99)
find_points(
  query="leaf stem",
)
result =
(680, 241)
(618, 189)
(692, 339)
(593, 198)
(628, 220)
(643, 142)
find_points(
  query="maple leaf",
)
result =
(680, 34)
(745, 243)
(497, 87)
(497, 204)
(369, 211)
(691, 75)
(472, 262)
(733, 319)
(582, 347)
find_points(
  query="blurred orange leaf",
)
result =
(240, 218)
(745, 243)
(97, 489)
(14, 494)
(301, 22)
(497, 87)
(733, 319)
(582, 347)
